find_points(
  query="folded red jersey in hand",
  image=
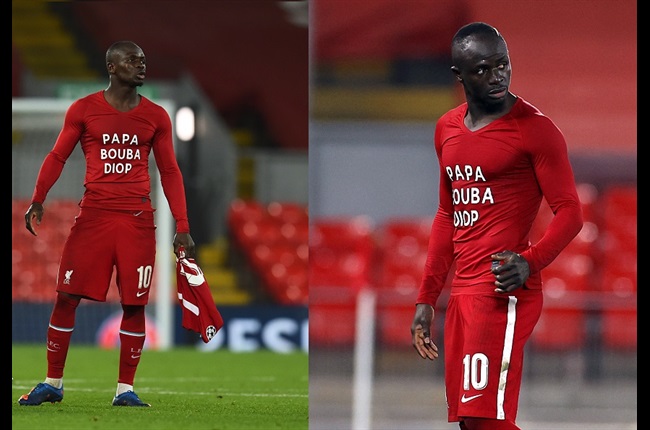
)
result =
(200, 313)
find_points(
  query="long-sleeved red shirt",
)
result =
(492, 182)
(116, 146)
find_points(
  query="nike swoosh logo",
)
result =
(467, 399)
(141, 293)
(135, 357)
(52, 350)
(137, 213)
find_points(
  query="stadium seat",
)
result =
(264, 230)
(272, 240)
(619, 328)
(332, 320)
(563, 323)
(341, 253)
(287, 283)
(288, 212)
(402, 244)
(283, 272)
(619, 264)
(35, 260)
(242, 211)
(395, 310)
(295, 232)
(619, 268)
(287, 254)
(403, 247)
(341, 257)
(567, 284)
(569, 280)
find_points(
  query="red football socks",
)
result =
(59, 333)
(132, 337)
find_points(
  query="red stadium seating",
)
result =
(296, 233)
(287, 283)
(332, 319)
(619, 268)
(35, 260)
(273, 239)
(283, 269)
(620, 240)
(619, 328)
(288, 212)
(341, 253)
(241, 212)
(568, 279)
(403, 246)
(341, 256)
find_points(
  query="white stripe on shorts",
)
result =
(507, 352)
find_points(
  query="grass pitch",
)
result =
(187, 389)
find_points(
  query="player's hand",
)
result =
(33, 217)
(511, 272)
(185, 241)
(421, 332)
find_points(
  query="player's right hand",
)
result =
(421, 332)
(33, 217)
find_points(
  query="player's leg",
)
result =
(132, 338)
(84, 272)
(453, 355)
(497, 329)
(135, 265)
(59, 333)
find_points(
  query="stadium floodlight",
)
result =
(185, 123)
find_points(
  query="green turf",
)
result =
(187, 389)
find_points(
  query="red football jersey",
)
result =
(116, 146)
(200, 313)
(492, 182)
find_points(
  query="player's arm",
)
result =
(437, 265)
(53, 164)
(439, 257)
(441, 248)
(555, 177)
(172, 184)
(436, 269)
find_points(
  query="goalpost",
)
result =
(36, 123)
(364, 363)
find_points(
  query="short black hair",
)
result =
(475, 29)
(120, 45)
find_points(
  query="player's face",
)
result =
(484, 67)
(131, 67)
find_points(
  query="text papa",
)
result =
(118, 156)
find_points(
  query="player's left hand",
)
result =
(511, 272)
(185, 241)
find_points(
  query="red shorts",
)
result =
(101, 240)
(484, 338)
